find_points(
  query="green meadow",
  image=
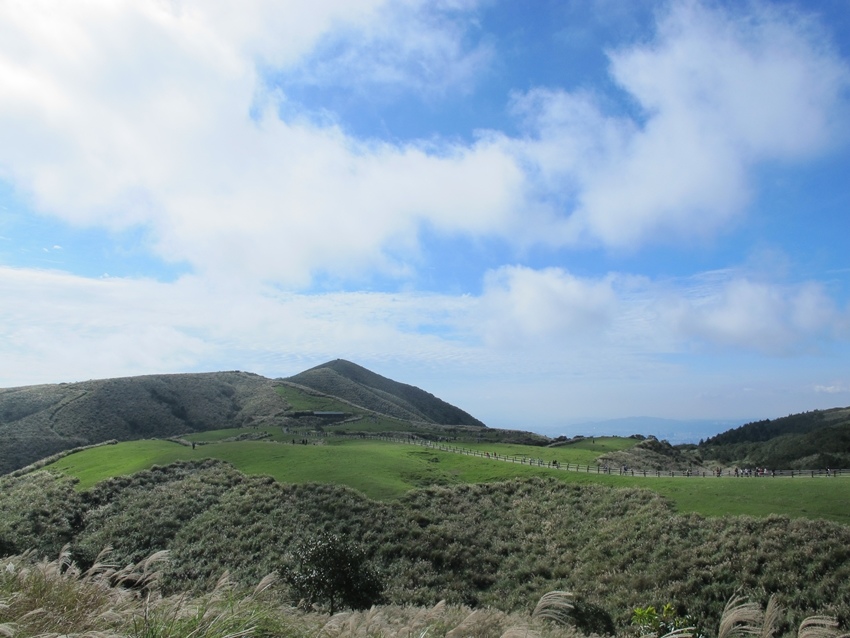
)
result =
(385, 471)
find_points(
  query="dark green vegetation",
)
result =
(502, 544)
(331, 570)
(811, 440)
(349, 381)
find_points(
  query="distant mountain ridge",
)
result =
(356, 384)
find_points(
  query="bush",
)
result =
(329, 569)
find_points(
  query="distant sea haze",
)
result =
(675, 431)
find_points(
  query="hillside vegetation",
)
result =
(341, 378)
(386, 471)
(498, 544)
(57, 598)
(37, 421)
(810, 440)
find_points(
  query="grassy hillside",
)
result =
(362, 387)
(500, 544)
(387, 471)
(37, 421)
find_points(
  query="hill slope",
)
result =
(363, 387)
(37, 421)
(809, 440)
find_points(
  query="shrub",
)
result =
(330, 569)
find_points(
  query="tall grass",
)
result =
(53, 599)
(742, 618)
(56, 598)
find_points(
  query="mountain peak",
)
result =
(361, 386)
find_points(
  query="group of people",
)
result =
(759, 471)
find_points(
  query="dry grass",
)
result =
(52, 599)
(555, 606)
(741, 618)
(447, 621)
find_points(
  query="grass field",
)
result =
(581, 453)
(385, 471)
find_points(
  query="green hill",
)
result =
(37, 421)
(362, 387)
(809, 440)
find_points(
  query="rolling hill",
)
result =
(38, 421)
(354, 383)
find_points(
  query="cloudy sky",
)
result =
(539, 211)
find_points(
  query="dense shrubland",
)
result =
(500, 545)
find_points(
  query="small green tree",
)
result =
(328, 569)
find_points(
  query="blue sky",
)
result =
(543, 212)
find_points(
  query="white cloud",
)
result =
(533, 347)
(156, 114)
(770, 318)
(716, 92)
(632, 316)
(140, 113)
(521, 306)
(62, 326)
